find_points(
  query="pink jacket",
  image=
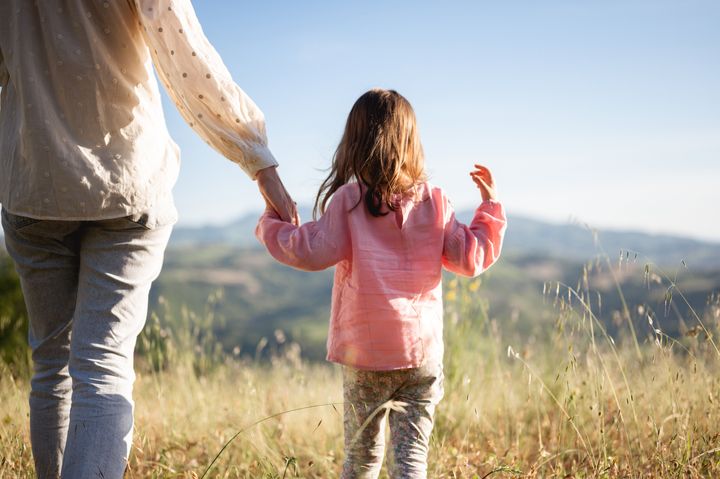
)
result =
(387, 310)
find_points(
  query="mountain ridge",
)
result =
(525, 236)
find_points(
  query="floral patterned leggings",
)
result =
(407, 397)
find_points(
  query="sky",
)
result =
(603, 112)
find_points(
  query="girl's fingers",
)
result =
(480, 183)
(485, 172)
(483, 179)
(484, 176)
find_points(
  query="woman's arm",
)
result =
(201, 86)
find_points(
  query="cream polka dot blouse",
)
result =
(82, 131)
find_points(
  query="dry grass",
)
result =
(495, 418)
(573, 405)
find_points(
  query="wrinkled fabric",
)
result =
(82, 131)
(387, 294)
(86, 287)
(404, 398)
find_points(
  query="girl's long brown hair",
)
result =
(380, 149)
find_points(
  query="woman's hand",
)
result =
(484, 181)
(276, 196)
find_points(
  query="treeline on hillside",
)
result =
(13, 320)
(262, 299)
(221, 299)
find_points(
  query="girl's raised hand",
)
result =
(484, 181)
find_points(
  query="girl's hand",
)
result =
(484, 181)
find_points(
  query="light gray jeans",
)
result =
(407, 398)
(86, 287)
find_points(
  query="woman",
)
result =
(86, 172)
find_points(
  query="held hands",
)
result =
(484, 181)
(276, 196)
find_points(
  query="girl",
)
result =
(389, 233)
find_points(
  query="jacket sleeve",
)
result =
(315, 245)
(200, 85)
(470, 250)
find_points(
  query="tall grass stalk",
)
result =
(572, 401)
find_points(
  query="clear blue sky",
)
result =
(607, 112)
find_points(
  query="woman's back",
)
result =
(82, 130)
(80, 88)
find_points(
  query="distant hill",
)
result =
(575, 242)
(525, 236)
(259, 296)
(218, 279)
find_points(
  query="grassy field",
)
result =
(574, 404)
(260, 296)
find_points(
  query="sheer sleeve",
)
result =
(201, 86)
